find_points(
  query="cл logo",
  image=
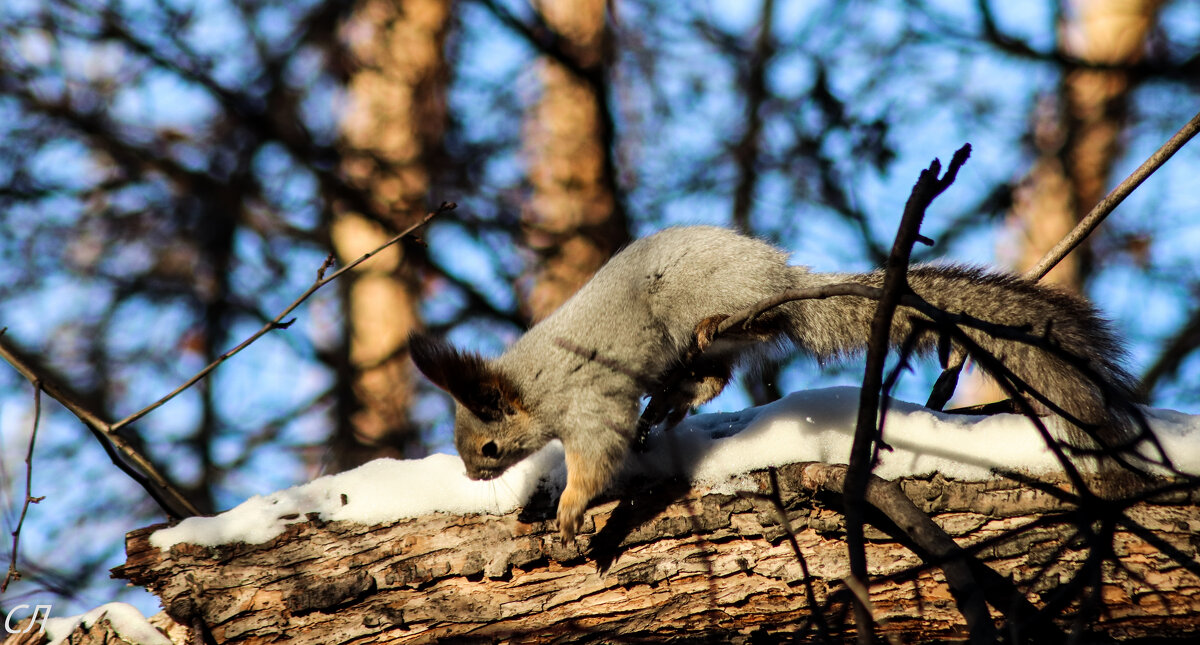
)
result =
(8, 626)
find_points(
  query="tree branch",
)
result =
(895, 284)
(1113, 199)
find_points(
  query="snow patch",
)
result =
(816, 425)
(379, 491)
(126, 621)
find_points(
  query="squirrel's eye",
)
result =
(490, 450)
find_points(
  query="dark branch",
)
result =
(895, 285)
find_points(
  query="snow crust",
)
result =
(815, 425)
(125, 619)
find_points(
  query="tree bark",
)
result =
(392, 132)
(665, 561)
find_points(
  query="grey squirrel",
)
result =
(580, 374)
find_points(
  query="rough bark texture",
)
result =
(573, 220)
(392, 131)
(668, 562)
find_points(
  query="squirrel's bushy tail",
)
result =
(1074, 332)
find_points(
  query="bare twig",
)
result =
(13, 574)
(1114, 198)
(278, 322)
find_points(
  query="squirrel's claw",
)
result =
(571, 508)
(570, 522)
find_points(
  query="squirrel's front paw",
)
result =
(570, 516)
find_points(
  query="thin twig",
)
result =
(864, 600)
(13, 574)
(1110, 202)
(277, 322)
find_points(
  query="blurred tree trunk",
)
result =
(392, 132)
(574, 220)
(1077, 135)
(1077, 138)
(762, 384)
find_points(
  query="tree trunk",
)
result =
(664, 561)
(392, 131)
(574, 221)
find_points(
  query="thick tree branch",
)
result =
(683, 562)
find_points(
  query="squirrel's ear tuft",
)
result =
(474, 383)
(436, 359)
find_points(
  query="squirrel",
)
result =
(579, 375)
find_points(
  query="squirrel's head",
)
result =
(493, 428)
